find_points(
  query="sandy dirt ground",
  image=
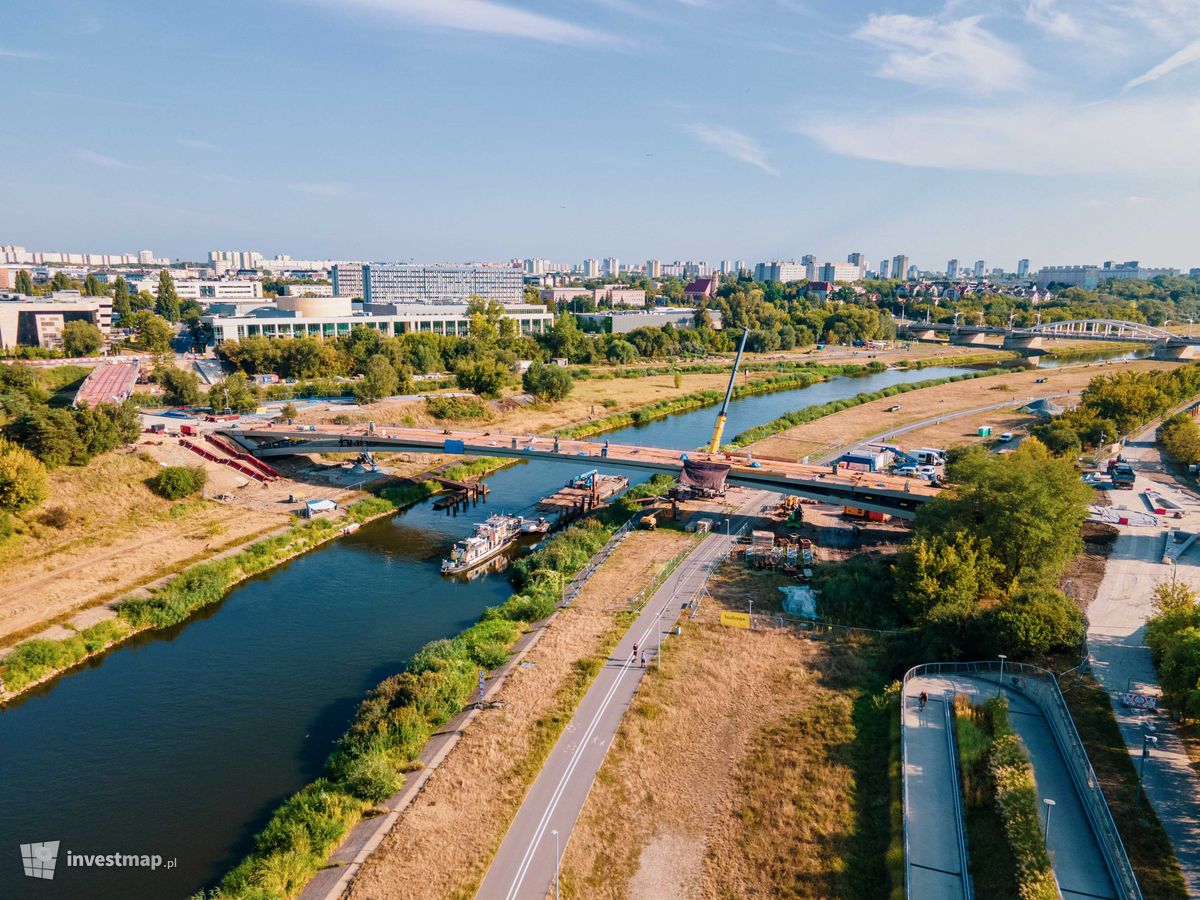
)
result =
(682, 808)
(846, 427)
(444, 841)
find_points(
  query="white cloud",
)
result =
(1048, 15)
(1177, 60)
(732, 143)
(99, 159)
(957, 54)
(1048, 138)
(196, 144)
(478, 15)
(17, 54)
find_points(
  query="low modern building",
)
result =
(780, 271)
(201, 289)
(612, 321)
(39, 322)
(308, 290)
(405, 283)
(326, 317)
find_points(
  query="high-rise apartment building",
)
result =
(883, 268)
(899, 265)
(952, 268)
(403, 283)
(591, 268)
(980, 268)
(856, 258)
(612, 267)
(1022, 268)
(780, 271)
(653, 268)
(837, 271)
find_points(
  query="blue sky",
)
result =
(1062, 130)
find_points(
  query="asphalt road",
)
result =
(1121, 661)
(524, 865)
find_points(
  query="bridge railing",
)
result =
(1041, 687)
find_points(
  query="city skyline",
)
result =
(1008, 127)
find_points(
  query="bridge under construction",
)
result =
(865, 490)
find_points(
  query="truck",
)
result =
(1122, 476)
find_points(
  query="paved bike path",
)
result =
(524, 865)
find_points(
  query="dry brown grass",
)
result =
(442, 844)
(862, 421)
(734, 773)
(100, 532)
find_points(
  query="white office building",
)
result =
(39, 322)
(780, 271)
(202, 289)
(836, 271)
(1091, 277)
(404, 283)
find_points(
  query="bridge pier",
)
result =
(1175, 351)
(924, 334)
(971, 339)
(1032, 345)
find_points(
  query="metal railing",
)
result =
(960, 826)
(571, 591)
(1041, 687)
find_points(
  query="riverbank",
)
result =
(38, 660)
(397, 719)
(842, 429)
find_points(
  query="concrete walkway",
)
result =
(525, 863)
(935, 870)
(1078, 862)
(1121, 661)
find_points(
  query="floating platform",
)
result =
(584, 493)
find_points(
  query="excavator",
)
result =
(715, 446)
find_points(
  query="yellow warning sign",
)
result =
(735, 619)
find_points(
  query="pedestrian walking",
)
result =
(635, 649)
(924, 699)
(643, 659)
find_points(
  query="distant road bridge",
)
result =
(865, 490)
(1167, 345)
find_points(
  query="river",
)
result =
(182, 742)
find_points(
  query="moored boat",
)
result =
(491, 537)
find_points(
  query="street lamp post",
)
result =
(1049, 806)
(1148, 740)
(555, 833)
(1000, 686)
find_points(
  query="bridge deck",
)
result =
(872, 491)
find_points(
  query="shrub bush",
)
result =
(462, 408)
(177, 482)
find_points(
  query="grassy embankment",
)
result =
(803, 377)
(1008, 858)
(32, 661)
(1146, 843)
(809, 413)
(397, 718)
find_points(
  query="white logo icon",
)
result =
(39, 859)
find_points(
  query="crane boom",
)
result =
(720, 428)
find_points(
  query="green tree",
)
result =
(166, 304)
(1029, 506)
(60, 282)
(51, 435)
(379, 380)
(24, 283)
(150, 332)
(81, 338)
(1174, 595)
(944, 576)
(1180, 437)
(233, 392)
(91, 286)
(121, 298)
(180, 388)
(485, 377)
(1059, 437)
(621, 352)
(1035, 623)
(23, 481)
(547, 382)
(288, 411)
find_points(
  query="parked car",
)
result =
(1005, 437)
